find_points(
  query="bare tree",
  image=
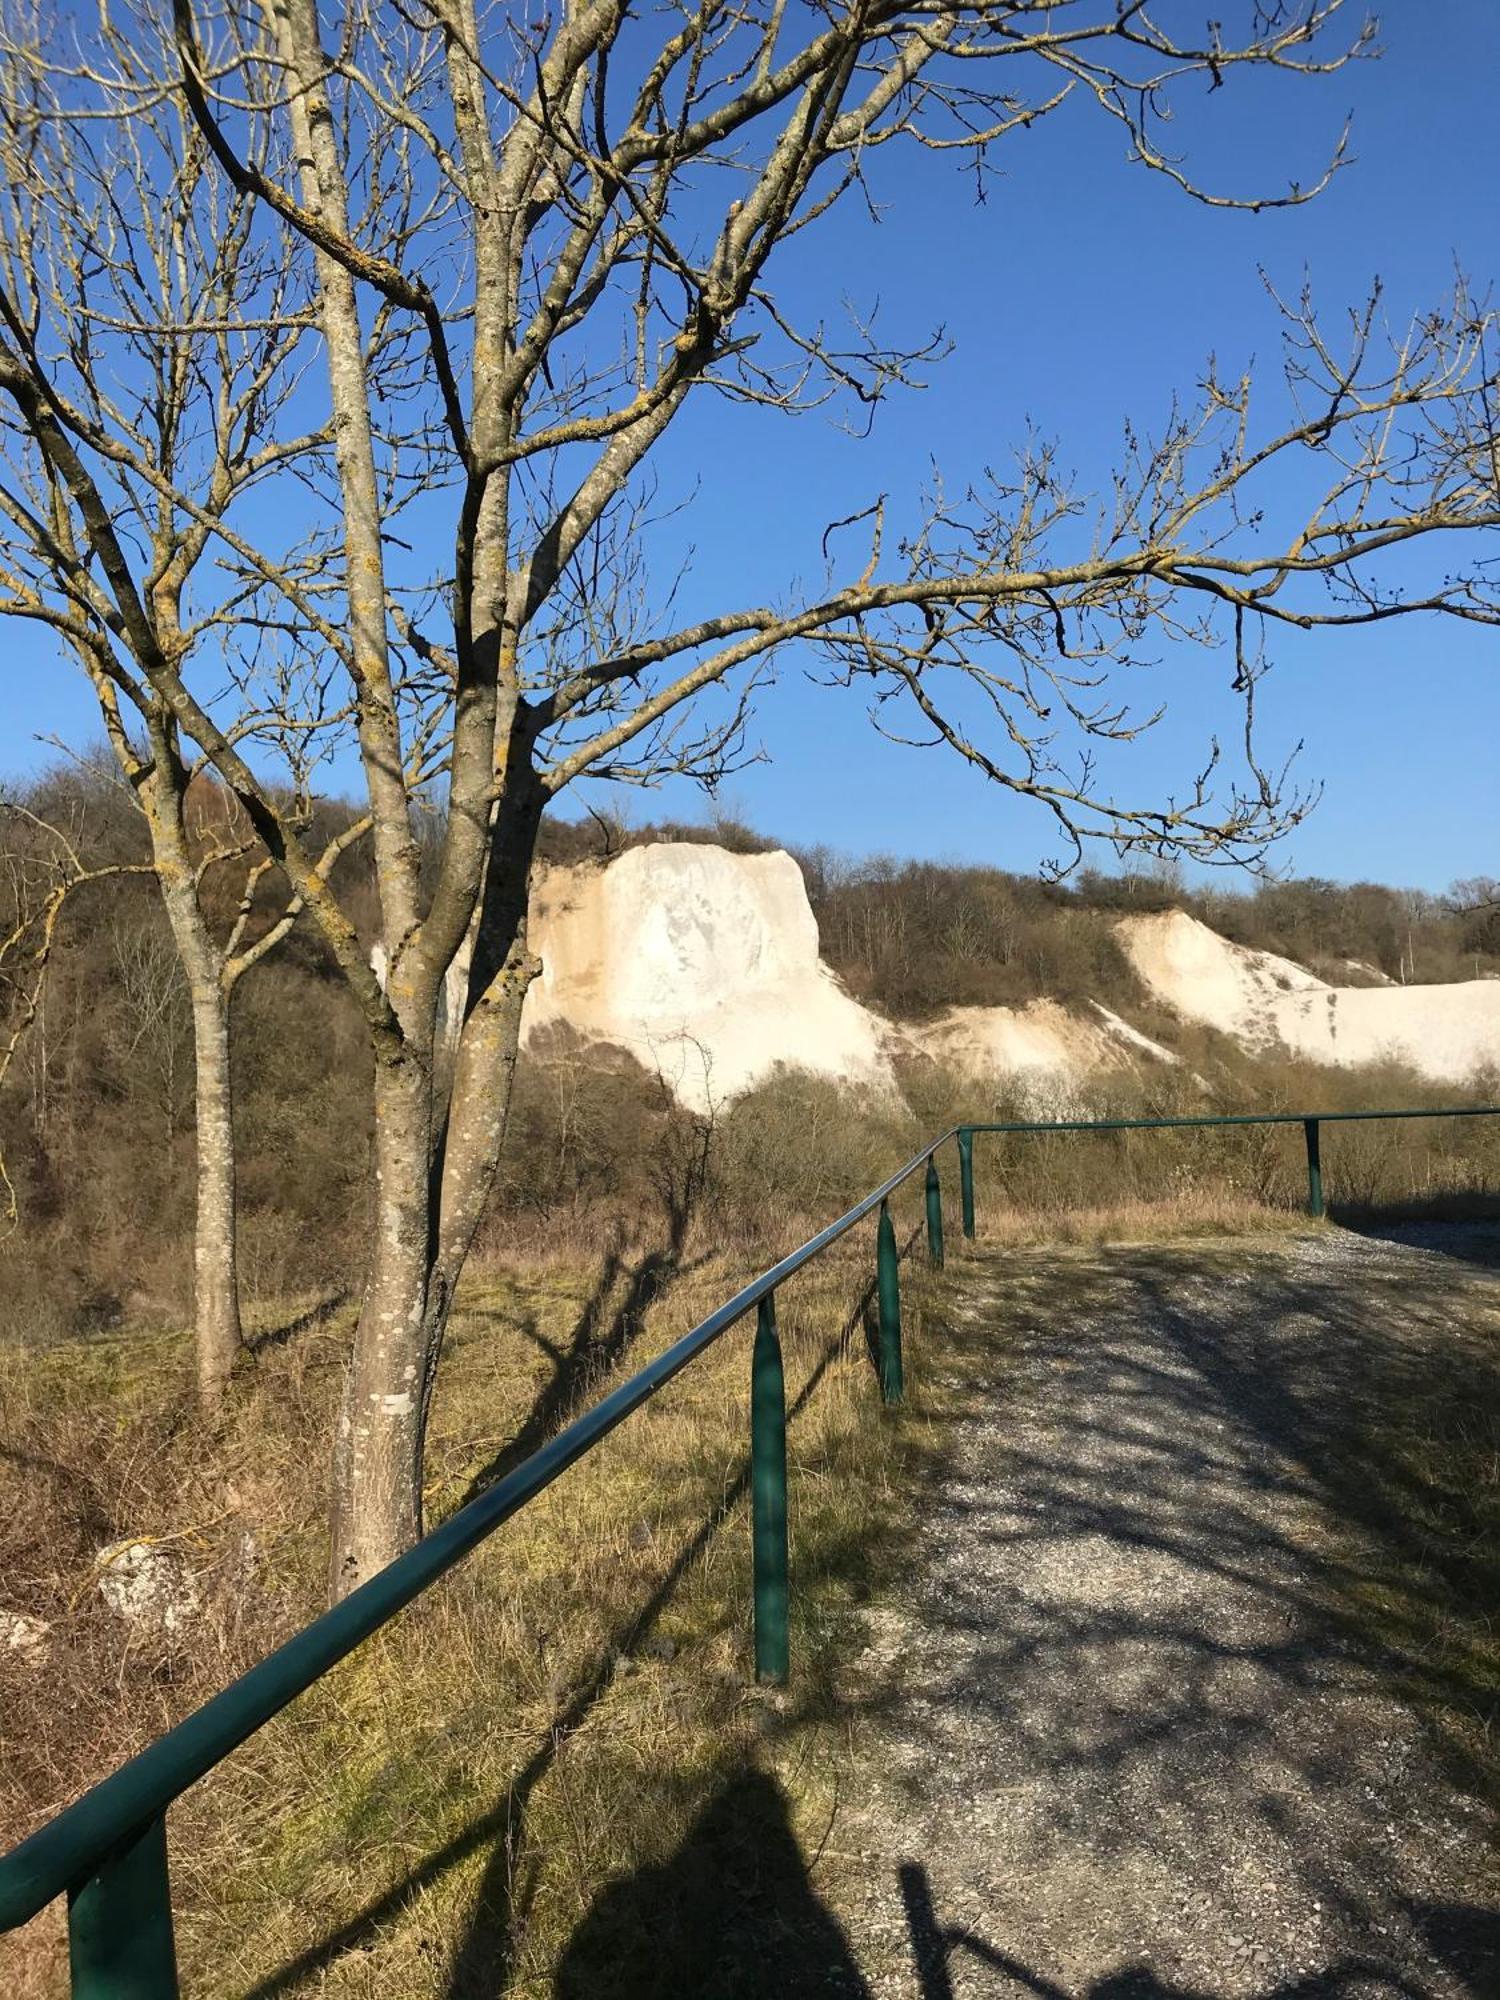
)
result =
(526, 243)
(1475, 894)
(125, 268)
(1476, 903)
(157, 1021)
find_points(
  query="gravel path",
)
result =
(1165, 1722)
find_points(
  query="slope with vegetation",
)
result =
(96, 1109)
(452, 1801)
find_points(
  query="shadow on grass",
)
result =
(273, 1337)
(599, 1341)
(90, 1512)
(486, 1956)
(731, 1913)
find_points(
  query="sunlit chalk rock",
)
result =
(148, 1584)
(1449, 1033)
(22, 1634)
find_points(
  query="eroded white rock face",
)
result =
(1448, 1033)
(148, 1584)
(1206, 978)
(21, 1633)
(1039, 1053)
(702, 964)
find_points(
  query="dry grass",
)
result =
(1206, 1213)
(436, 1817)
(1243, 1174)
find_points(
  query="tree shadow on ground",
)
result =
(73, 1492)
(1367, 1402)
(509, 1879)
(503, 1902)
(731, 1913)
(1216, 1619)
(272, 1337)
(607, 1327)
(1474, 1238)
(1464, 1941)
(1301, 1382)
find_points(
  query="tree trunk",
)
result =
(484, 1070)
(216, 1307)
(377, 1507)
(430, 1199)
(483, 1083)
(216, 1301)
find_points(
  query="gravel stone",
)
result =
(1146, 1732)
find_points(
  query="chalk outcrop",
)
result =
(703, 965)
(1041, 1051)
(148, 1584)
(23, 1635)
(1448, 1033)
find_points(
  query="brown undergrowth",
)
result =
(441, 1815)
(437, 1815)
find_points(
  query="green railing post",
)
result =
(934, 1216)
(888, 1291)
(120, 1924)
(768, 1496)
(966, 1180)
(1314, 1168)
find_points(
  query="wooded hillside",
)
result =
(96, 1107)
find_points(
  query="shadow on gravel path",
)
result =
(1198, 1701)
(1475, 1242)
(732, 1913)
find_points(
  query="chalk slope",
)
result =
(704, 965)
(1448, 1033)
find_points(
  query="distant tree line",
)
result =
(912, 937)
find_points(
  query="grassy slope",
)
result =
(436, 1817)
(443, 1815)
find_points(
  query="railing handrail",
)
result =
(1230, 1118)
(68, 1848)
(124, 1811)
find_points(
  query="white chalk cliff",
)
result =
(704, 965)
(1448, 1033)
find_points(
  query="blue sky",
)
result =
(1083, 293)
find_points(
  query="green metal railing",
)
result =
(108, 1852)
(1310, 1121)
